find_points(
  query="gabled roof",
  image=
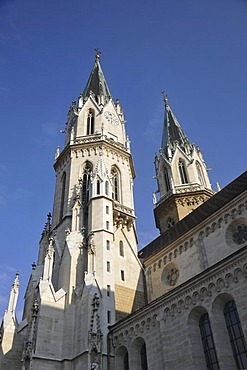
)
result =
(200, 214)
(97, 83)
(173, 134)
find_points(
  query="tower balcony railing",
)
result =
(180, 189)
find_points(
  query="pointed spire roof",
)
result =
(173, 134)
(100, 168)
(97, 83)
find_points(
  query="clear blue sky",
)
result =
(195, 50)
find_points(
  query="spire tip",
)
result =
(97, 55)
(165, 97)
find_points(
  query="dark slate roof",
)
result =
(200, 214)
(172, 132)
(97, 83)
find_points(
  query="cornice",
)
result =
(96, 143)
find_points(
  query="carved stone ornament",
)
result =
(239, 235)
(172, 276)
(236, 233)
(95, 335)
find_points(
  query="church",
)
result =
(93, 300)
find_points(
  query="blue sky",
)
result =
(195, 50)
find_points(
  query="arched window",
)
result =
(208, 343)
(236, 335)
(106, 188)
(126, 361)
(86, 181)
(143, 354)
(167, 180)
(121, 248)
(115, 184)
(199, 174)
(90, 122)
(63, 181)
(182, 172)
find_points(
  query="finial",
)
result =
(49, 217)
(97, 55)
(165, 97)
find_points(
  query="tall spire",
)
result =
(97, 83)
(181, 174)
(173, 134)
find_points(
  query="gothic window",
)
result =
(106, 188)
(115, 184)
(63, 181)
(108, 245)
(86, 181)
(98, 187)
(182, 172)
(90, 122)
(167, 180)
(107, 210)
(143, 354)
(208, 343)
(199, 173)
(236, 335)
(121, 248)
(126, 361)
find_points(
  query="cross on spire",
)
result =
(165, 97)
(97, 55)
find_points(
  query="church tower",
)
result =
(88, 275)
(181, 173)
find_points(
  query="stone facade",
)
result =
(93, 301)
(169, 324)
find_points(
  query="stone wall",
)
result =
(169, 326)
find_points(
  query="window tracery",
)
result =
(86, 181)
(182, 172)
(236, 335)
(90, 122)
(115, 184)
(208, 343)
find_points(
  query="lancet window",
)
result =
(63, 187)
(121, 248)
(126, 361)
(143, 354)
(182, 172)
(98, 187)
(167, 180)
(236, 335)
(208, 343)
(86, 181)
(115, 184)
(90, 122)
(199, 173)
(106, 188)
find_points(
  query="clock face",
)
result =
(111, 118)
